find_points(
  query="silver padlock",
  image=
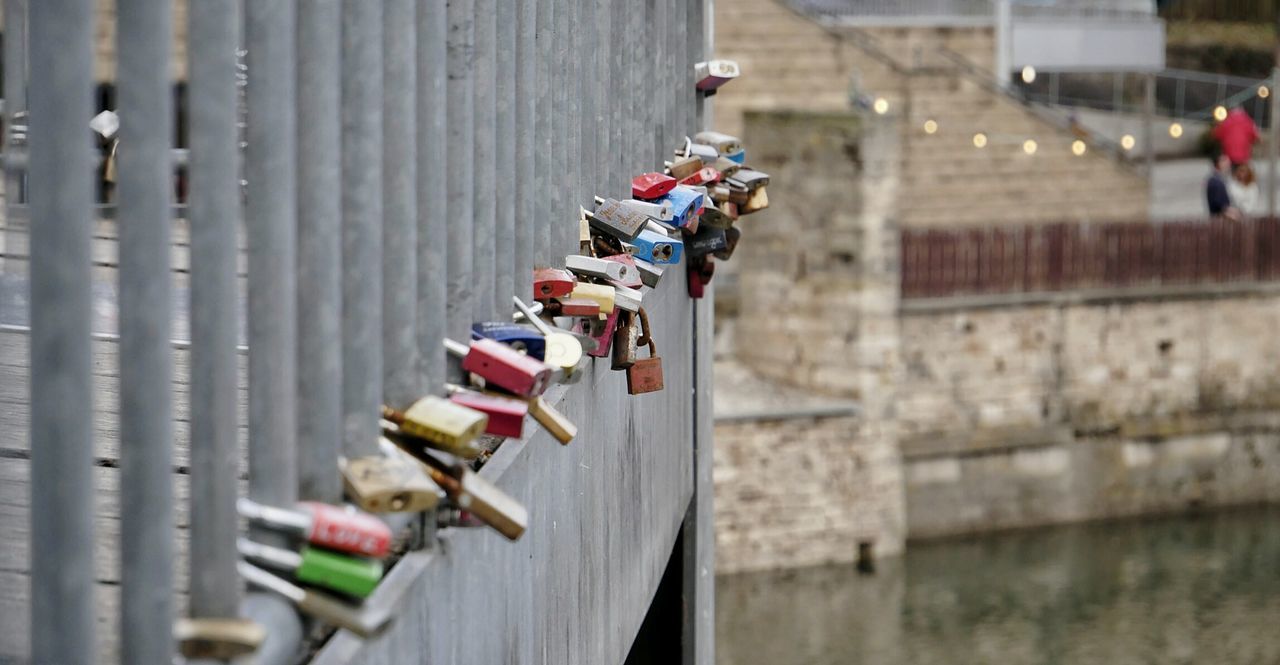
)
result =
(598, 268)
(723, 143)
(711, 74)
(660, 211)
(614, 218)
(749, 179)
(627, 299)
(650, 274)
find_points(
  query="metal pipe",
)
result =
(432, 135)
(319, 252)
(484, 193)
(15, 101)
(576, 90)
(544, 126)
(361, 225)
(400, 379)
(460, 177)
(560, 184)
(505, 181)
(144, 30)
(62, 484)
(602, 57)
(214, 198)
(271, 223)
(526, 203)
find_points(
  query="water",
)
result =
(1190, 590)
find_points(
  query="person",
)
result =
(1216, 193)
(1237, 134)
(1242, 189)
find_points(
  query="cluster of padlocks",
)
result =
(590, 309)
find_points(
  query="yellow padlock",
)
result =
(600, 293)
(382, 484)
(442, 424)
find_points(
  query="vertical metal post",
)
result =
(1148, 118)
(271, 223)
(527, 194)
(361, 224)
(617, 111)
(460, 177)
(485, 170)
(214, 217)
(504, 183)
(400, 381)
(563, 210)
(433, 230)
(62, 485)
(591, 88)
(543, 127)
(576, 89)
(602, 55)
(319, 252)
(1004, 41)
(1273, 143)
(15, 101)
(145, 182)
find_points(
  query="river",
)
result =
(1202, 590)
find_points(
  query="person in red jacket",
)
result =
(1237, 134)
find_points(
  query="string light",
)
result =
(1264, 92)
(979, 140)
(1175, 130)
(1078, 147)
(1028, 74)
(881, 106)
(1029, 146)
(1220, 113)
(1127, 142)
(930, 126)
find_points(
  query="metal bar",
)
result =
(545, 111)
(400, 377)
(460, 178)
(560, 184)
(483, 194)
(270, 220)
(15, 101)
(526, 205)
(617, 66)
(602, 147)
(432, 136)
(577, 173)
(214, 198)
(361, 225)
(504, 183)
(62, 487)
(319, 252)
(144, 30)
(594, 182)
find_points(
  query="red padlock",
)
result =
(701, 270)
(703, 176)
(601, 332)
(632, 279)
(552, 283)
(502, 366)
(651, 185)
(506, 415)
(334, 527)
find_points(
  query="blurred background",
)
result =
(992, 383)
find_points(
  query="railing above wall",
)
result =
(940, 263)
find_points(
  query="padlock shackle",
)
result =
(272, 556)
(259, 577)
(456, 348)
(295, 521)
(530, 316)
(646, 339)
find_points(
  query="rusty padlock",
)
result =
(626, 341)
(645, 374)
(731, 236)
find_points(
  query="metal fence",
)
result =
(1179, 93)
(390, 172)
(1062, 257)
(966, 11)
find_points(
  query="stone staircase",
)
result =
(791, 62)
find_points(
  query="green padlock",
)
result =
(345, 574)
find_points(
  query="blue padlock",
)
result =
(685, 204)
(738, 157)
(518, 337)
(657, 248)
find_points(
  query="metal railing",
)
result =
(1184, 94)
(946, 12)
(401, 168)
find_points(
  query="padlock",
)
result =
(735, 193)
(347, 575)
(712, 74)
(645, 374)
(441, 424)
(738, 157)
(626, 341)
(749, 179)
(650, 273)
(723, 143)
(341, 529)
(552, 283)
(499, 365)
(703, 176)
(506, 415)
(685, 204)
(602, 294)
(659, 210)
(705, 153)
(556, 423)
(632, 280)
(706, 241)
(614, 218)
(727, 167)
(521, 338)
(683, 167)
(699, 276)
(207, 638)
(366, 623)
(601, 331)
(658, 248)
(573, 307)
(469, 491)
(759, 200)
(382, 484)
(713, 216)
(651, 185)
(563, 351)
(731, 237)
(627, 299)
(729, 208)
(598, 268)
